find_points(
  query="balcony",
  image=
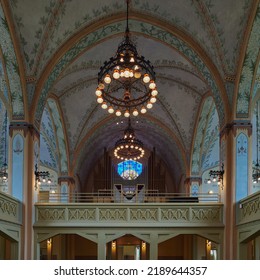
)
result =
(10, 209)
(249, 209)
(104, 209)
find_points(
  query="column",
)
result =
(234, 145)
(101, 246)
(24, 138)
(257, 248)
(192, 185)
(66, 189)
(153, 246)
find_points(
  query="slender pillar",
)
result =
(192, 185)
(234, 154)
(257, 248)
(101, 246)
(154, 246)
(66, 188)
(24, 146)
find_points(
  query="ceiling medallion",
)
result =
(126, 83)
(129, 147)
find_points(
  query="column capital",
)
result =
(25, 128)
(236, 125)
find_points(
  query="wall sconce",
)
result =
(256, 174)
(4, 168)
(256, 167)
(41, 176)
(216, 176)
(113, 244)
(143, 244)
(4, 174)
(49, 241)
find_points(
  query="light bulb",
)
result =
(152, 85)
(127, 114)
(116, 74)
(104, 105)
(100, 100)
(135, 112)
(118, 113)
(146, 78)
(153, 99)
(98, 92)
(137, 74)
(110, 110)
(154, 92)
(101, 86)
(107, 79)
(127, 73)
(149, 105)
(143, 110)
(132, 59)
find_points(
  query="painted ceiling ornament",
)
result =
(126, 83)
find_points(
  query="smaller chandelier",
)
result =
(128, 147)
(3, 173)
(41, 176)
(126, 83)
(256, 173)
(216, 176)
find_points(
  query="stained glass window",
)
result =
(129, 169)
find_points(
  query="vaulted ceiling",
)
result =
(196, 48)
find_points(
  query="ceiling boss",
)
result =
(126, 83)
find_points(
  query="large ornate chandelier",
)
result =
(126, 83)
(129, 147)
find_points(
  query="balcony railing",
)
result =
(110, 196)
(10, 209)
(249, 209)
(160, 215)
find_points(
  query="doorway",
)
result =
(127, 247)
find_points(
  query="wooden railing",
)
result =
(249, 209)
(109, 196)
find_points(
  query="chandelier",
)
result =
(126, 83)
(129, 147)
(3, 170)
(256, 167)
(41, 176)
(216, 176)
